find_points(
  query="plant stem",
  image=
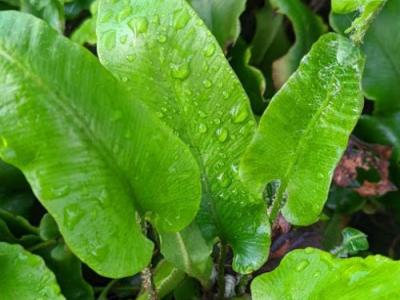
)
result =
(42, 245)
(146, 275)
(221, 272)
(148, 284)
(276, 206)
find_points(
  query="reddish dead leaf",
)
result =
(361, 155)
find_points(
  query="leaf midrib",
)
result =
(77, 121)
(300, 148)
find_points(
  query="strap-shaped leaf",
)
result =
(221, 17)
(305, 129)
(25, 276)
(94, 156)
(313, 274)
(165, 54)
(307, 27)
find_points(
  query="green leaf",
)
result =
(221, 17)
(86, 32)
(353, 242)
(48, 228)
(52, 11)
(90, 151)
(268, 24)
(67, 269)
(188, 251)
(166, 278)
(305, 129)
(307, 27)
(251, 78)
(368, 10)
(25, 276)
(164, 49)
(314, 274)
(382, 70)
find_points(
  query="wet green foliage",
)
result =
(181, 149)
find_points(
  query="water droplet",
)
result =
(207, 83)
(302, 265)
(125, 79)
(224, 180)
(202, 114)
(139, 25)
(181, 17)
(309, 250)
(72, 215)
(225, 95)
(217, 121)
(222, 134)
(60, 191)
(130, 58)
(123, 39)
(116, 115)
(317, 274)
(239, 113)
(109, 40)
(202, 128)
(162, 38)
(210, 50)
(124, 13)
(181, 71)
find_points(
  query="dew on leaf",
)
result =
(210, 50)
(130, 58)
(139, 25)
(72, 215)
(302, 265)
(180, 71)
(207, 83)
(181, 18)
(202, 128)
(222, 134)
(124, 13)
(162, 38)
(239, 114)
(123, 39)
(109, 40)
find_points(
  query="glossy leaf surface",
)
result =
(163, 48)
(300, 147)
(89, 150)
(313, 274)
(221, 17)
(307, 27)
(25, 276)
